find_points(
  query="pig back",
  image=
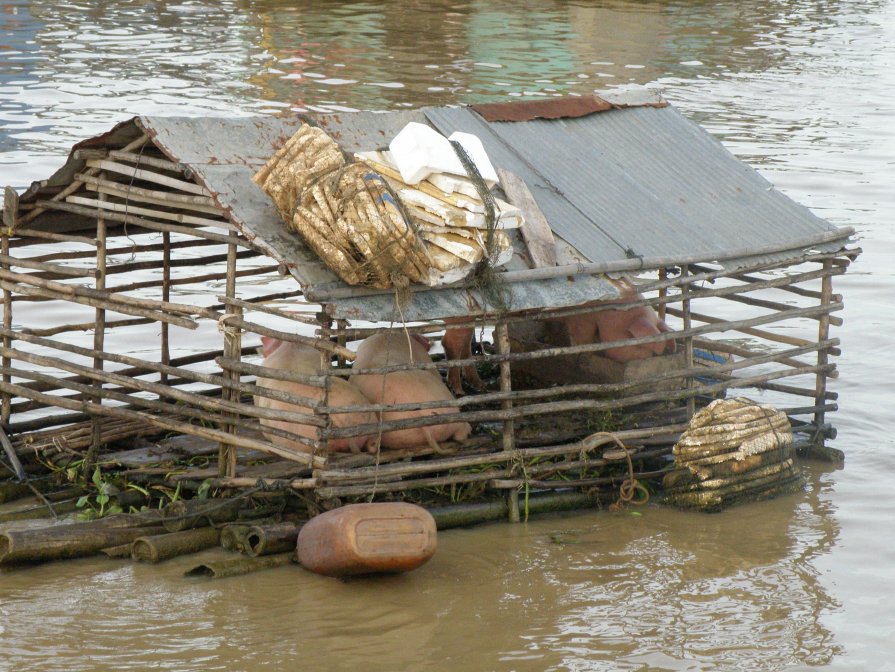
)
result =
(305, 360)
(407, 387)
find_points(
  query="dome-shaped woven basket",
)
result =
(732, 449)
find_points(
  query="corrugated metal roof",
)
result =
(638, 180)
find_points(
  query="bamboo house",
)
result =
(139, 279)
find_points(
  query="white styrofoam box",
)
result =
(419, 151)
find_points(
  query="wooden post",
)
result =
(166, 296)
(233, 351)
(823, 333)
(688, 341)
(663, 292)
(326, 324)
(341, 339)
(10, 211)
(99, 335)
(502, 338)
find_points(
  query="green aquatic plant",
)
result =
(98, 502)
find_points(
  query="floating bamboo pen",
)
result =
(137, 250)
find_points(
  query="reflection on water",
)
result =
(800, 89)
(70, 69)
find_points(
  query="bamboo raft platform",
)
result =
(132, 249)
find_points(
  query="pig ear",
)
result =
(269, 344)
(642, 327)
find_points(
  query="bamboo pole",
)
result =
(744, 277)
(776, 305)
(48, 269)
(166, 297)
(25, 233)
(13, 458)
(463, 515)
(565, 406)
(252, 369)
(823, 332)
(716, 327)
(7, 317)
(219, 569)
(157, 547)
(326, 365)
(720, 346)
(192, 403)
(141, 367)
(67, 291)
(141, 159)
(195, 279)
(190, 263)
(99, 335)
(507, 437)
(79, 296)
(178, 217)
(663, 292)
(233, 536)
(796, 247)
(232, 350)
(688, 340)
(71, 541)
(285, 314)
(148, 176)
(576, 448)
(75, 185)
(602, 388)
(186, 514)
(272, 538)
(126, 250)
(322, 344)
(142, 222)
(760, 333)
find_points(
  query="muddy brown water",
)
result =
(800, 89)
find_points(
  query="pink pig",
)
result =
(607, 326)
(404, 387)
(297, 358)
(599, 327)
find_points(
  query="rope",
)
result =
(225, 328)
(485, 278)
(630, 486)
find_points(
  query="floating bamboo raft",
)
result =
(127, 253)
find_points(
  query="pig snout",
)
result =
(617, 325)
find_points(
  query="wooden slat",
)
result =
(536, 231)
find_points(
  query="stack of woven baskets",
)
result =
(353, 219)
(732, 450)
